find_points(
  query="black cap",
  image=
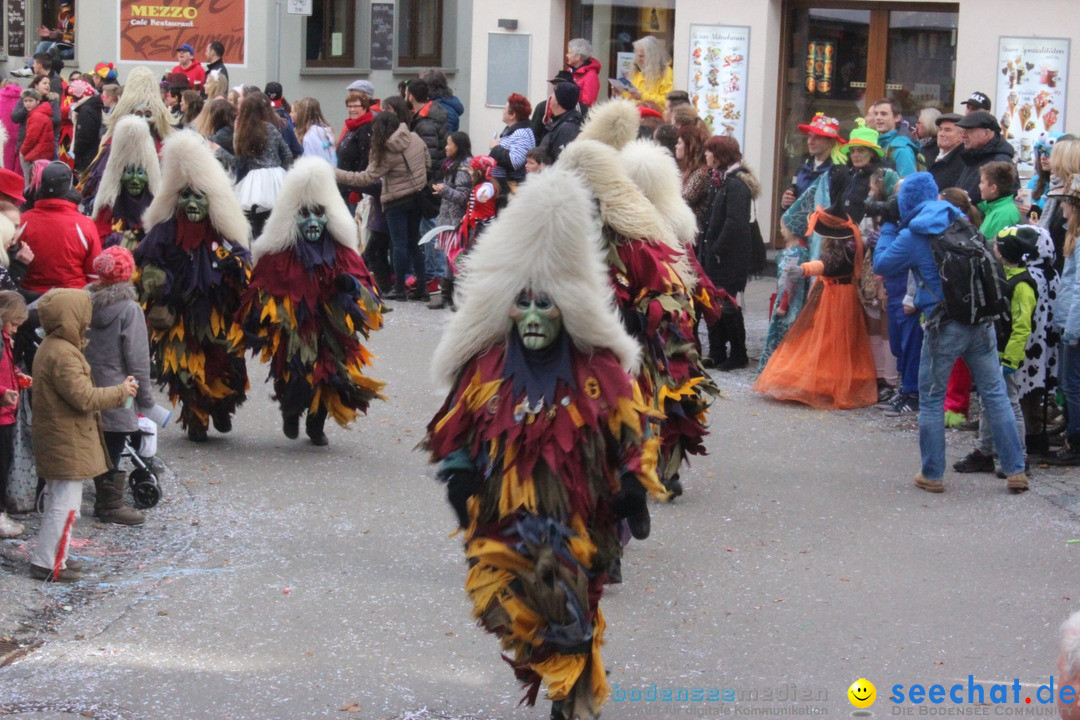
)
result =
(273, 90)
(978, 100)
(562, 76)
(948, 117)
(55, 180)
(979, 119)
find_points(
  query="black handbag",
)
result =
(427, 199)
(758, 255)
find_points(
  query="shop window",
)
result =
(330, 33)
(420, 27)
(613, 26)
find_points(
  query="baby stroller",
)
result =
(143, 480)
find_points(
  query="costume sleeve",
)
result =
(485, 192)
(1023, 310)
(812, 268)
(75, 387)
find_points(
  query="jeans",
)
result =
(434, 259)
(1069, 379)
(943, 343)
(65, 51)
(403, 221)
(986, 441)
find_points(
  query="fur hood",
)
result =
(188, 162)
(749, 178)
(142, 91)
(613, 123)
(623, 207)
(654, 171)
(309, 182)
(109, 301)
(547, 239)
(131, 145)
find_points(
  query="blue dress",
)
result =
(793, 296)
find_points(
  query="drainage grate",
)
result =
(65, 710)
(11, 651)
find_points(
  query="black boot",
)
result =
(1067, 456)
(1038, 444)
(222, 421)
(735, 329)
(674, 485)
(314, 426)
(290, 425)
(718, 339)
(556, 708)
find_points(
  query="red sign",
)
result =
(151, 30)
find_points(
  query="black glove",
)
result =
(460, 486)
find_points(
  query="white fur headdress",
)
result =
(142, 91)
(613, 123)
(186, 161)
(132, 144)
(7, 234)
(623, 207)
(310, 182)
(547, 239)
(654, 171)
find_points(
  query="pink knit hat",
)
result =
(114, 265)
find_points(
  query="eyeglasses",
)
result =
(353, 106)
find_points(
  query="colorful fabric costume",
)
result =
(194, 266)
(539, 441)
(309, 298)
(788, 300)
(825, 360)
(652, 278)
(131, 164)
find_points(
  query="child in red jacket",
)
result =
(40, 141)
(12, 315)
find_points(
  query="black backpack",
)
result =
(972, 280)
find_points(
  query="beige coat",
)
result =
(68, 443)
(403, 168)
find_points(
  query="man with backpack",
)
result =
(901, 150)
(932, 238)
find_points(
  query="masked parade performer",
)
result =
(540, 439)
(141, 98)
(194, 266)
(653, 281)
(309, 297)
(132, 177)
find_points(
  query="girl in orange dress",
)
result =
(824, 360)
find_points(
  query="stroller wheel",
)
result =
(146, 494)
(140, 475)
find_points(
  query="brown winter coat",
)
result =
(68, 443)
(403, 168)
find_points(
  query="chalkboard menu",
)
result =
(382, 36)
(16, 28)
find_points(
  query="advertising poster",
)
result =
(1032, 83)
(719, 58)
(820, 58)
(151, 30)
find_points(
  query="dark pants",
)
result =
(729, 330)
(114, 446)
(403, 221)
(377, 258)
(905, 342)
(7, 454)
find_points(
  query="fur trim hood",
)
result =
(613, 123)
(188, 162)
(131, 145)
(654, 171)
(547, 239)
(142, 91)
(749, 178)
(623, 207)
(310, 182)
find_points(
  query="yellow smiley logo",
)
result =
(862, 693)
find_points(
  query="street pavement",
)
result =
(281, 580)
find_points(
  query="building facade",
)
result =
(755, 68)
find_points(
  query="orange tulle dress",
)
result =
(825, 360)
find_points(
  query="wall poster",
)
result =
(1032, 84)
(151, 30)
(719, 58)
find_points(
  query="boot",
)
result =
(109, 503)
(448, 292)
(222, 421)
(735, 329)
(9, 528)
(440, 299)
(314, 426)
(196, 432)
(717, 345)
(290, 425)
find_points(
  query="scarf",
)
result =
(323, 252)
(354, 123)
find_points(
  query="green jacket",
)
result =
(998, 215)
(1022, 309)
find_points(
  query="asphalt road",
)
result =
(280, 580)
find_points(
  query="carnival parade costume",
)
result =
(194, 266)
(540, 438)
(653, 280)
(824, 360)
(310, 296)
(131, 179)
(141, 98)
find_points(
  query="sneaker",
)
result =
(888, 402)
(9, 528)
(1067, 456)
(976, 461)
(22, 73)
(934, 486)
(885, 392)
(66, 575)
(906, 404)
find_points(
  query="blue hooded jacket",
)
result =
(902, 150)
(907, 246)
(454, 111)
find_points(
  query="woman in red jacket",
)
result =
(40, 141)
